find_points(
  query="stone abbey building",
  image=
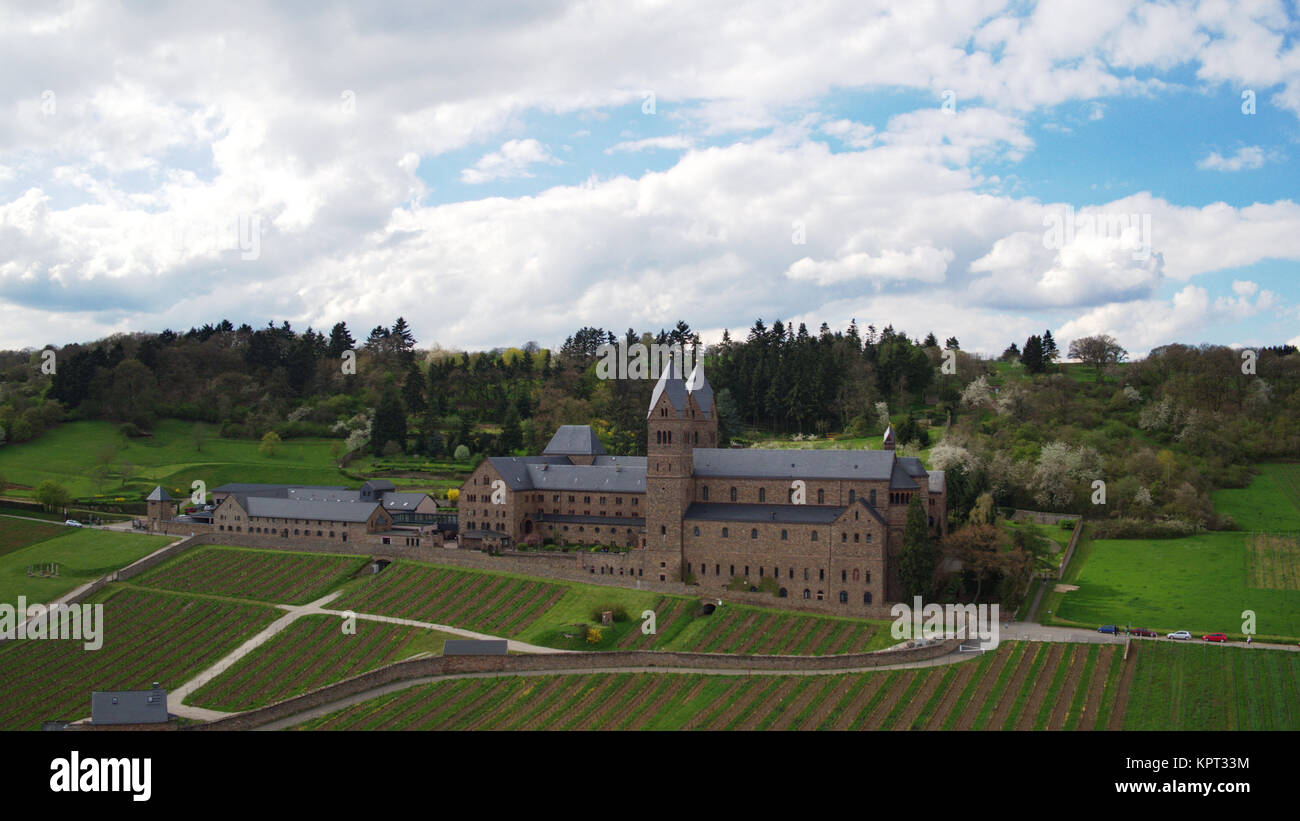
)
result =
(822, 525)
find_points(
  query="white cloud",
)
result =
(1244, 287)
(674, 143)
(1251, 156)
(511, 161)
(922, 264)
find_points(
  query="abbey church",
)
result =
(822, 525)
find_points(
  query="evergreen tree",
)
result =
(952, 344)
(1050, 353)
(917, 559)
(1032, 356)
(390, 421)
(512, 435)
(931, 341)
(413, 390)
(340, 340)
(1012, 353)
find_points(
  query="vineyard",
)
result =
(1212, 687)
(148, 637)
(752, 631)
(1273, 561)
(1020, 686)
(282, 578)
(487, 602)
(312, 652)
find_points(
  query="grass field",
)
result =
(147, 637)
(310, 653)
(270, 576)
(1202, 583)
(1271, 503)
(1213, 687)
(69, 454)
(1070, 689)
(83, 555)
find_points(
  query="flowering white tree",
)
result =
(882, 414)
(1132, 394)
(978, 394)
(946, 455)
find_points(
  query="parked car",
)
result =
(1215, 637)
(1110, 628)
(1142, 631)
(73, 523)
(1181, 634)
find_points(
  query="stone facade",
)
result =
(827, 538)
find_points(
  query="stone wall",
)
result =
(439, 666)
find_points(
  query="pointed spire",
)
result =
(698, 386)
(889, 438)
(670, 381)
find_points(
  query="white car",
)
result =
(73, 523)
(1181, 634)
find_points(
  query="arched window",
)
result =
(873, 498)
(855, 574)
(814, 535)
(844, 575)
(704, 492)
(762, 494)
(663, 530)
(852, 495)
(844, 597)
(782, 593)
(753, 533)
(807, 594)
(724, 533)
(866, 597)
(697, 530)
(733, 494)
(785, 536)
(821, 496)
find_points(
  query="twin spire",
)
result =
(678, 389)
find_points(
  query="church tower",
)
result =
(681, 418)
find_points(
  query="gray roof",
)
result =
(794, 464)
(475, 647)
(937, 481)
(678, 387)
(912, 465)
(785, 514)
(378, 484)
(524, 473)
(158, 495)
(615, 461)
(128, 706)
(403, 501)
(575, 439)
(900, 479)
(314, 511)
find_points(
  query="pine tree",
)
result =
(1032, 356)
(390, 421)
(917, 559)
(931, 341)
(413, 390)
(340, 340)
(512, 435)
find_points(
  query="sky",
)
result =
(504, 172)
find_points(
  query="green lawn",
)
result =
(1272, 502)
(83, 555)
(69, 454)
(1199, 583)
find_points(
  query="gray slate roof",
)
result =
(575, 439)
(624, 461)
(525, 473)
(613, 521)
(281, 491)
(403, 501)
(158, 495)
(786, 514)
(794, 464)
(901, 480)
(313, 511)
(128, 706)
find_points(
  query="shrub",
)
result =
(461, 454)
(1129, 528)
(131, 429)
(593, 635)
(617, 611)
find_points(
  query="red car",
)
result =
(1142, 631)
(1215, 637)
